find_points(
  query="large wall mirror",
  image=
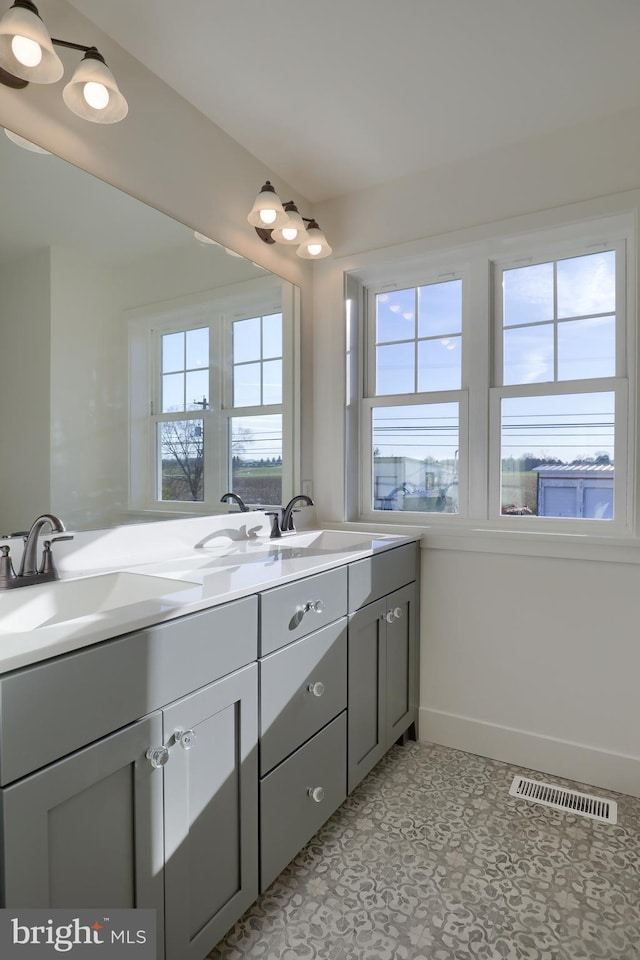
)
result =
(143, 372)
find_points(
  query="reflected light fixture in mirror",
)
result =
(26, 144)
(27, 55)
(276, 222)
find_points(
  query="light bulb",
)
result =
(268, 216)
(314, 249)
(26, 51)
(289, 233)
(96, 95)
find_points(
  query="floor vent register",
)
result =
(572, 801)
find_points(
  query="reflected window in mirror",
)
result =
(211, 400)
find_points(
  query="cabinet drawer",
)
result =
(290, 713)
(56, 707)
(286, 614)
(289, 815)
(379, 575)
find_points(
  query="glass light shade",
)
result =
(27, 29)
(202, 238)
(26, 144)
(267, 212)
(84, 88)
(293, 231)
(315, 246)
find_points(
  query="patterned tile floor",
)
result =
(431, 859)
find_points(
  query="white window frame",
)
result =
(479, 263)
(549, 247)
(217, 310)
(441, 272)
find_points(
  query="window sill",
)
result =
(479, 538)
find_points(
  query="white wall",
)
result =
(25, 320)
(88, 441)
(528, 651)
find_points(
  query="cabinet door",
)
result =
(211, 813)
(87, 830)
(366, 739)
(401, 637)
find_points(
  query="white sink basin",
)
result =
(263, 550)
(335, 541)
(23, 609)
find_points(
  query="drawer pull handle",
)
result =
(315, 606)
(185, 738)
(316, 793)
(317, 688)
(158, 756)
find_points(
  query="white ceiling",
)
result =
(339, 95)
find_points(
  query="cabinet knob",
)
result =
(389, 616)
(397, 612)
(312, 606)
(317, 688)
(158, 756)
(185, 738)
(316, 793)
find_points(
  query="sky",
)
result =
(558, 325)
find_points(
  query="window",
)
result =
(558, 397)
(499, 390)
(413, 408)
(213, 403)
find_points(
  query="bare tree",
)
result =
(182, 460)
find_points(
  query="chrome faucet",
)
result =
(29, 572)
(236, 499)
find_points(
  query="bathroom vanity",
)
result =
(182, 765)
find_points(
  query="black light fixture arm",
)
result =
(74, 46)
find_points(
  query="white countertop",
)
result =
(225, 564)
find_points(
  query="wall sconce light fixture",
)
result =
(282, 223)
(27, 55)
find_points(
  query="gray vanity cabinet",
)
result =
(382, 657)
(87, 830)
(211, 812)
(103, 805)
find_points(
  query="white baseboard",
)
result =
(575, 761)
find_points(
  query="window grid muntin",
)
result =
(184, 370)
(617, 249)
(416, 339)
(259, 361)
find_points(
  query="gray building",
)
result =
(576, 490)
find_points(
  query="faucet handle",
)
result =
(7, 573)
(275, 523)
(47, 565)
